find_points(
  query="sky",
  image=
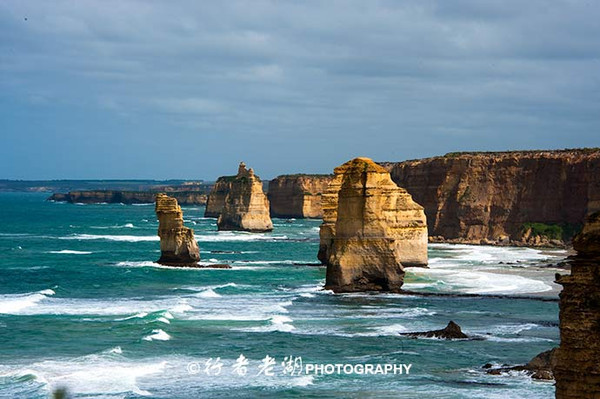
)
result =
(188, 89)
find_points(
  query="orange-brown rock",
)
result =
(494, 197)
(371, 229)
(217, 195)
(297, 196)
(246, 206)
(577, 366)
(178, 246)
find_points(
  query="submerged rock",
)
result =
(451, 331)
(246, 206)
(577, 366)
(178, 246)
(371, 230)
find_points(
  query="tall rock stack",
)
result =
(246, 206)
(178, 246)
(577, 366)
(371, 230)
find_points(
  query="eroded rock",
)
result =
(371, 229)
(246, 206)
(451, 331)
(178, 246)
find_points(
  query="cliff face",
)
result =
(216, 198)
(531, 198)
(126, 197)
(246, 206)
(297, 196)
(378, 229)
(178, 246)
(577, 366)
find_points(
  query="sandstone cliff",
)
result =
(577, 365)
(126, 197)
(523, 197)
(217, 195)
(378, 229)
(246, 206)
(297, 196)
(177, 244)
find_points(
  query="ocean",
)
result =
(84, 306)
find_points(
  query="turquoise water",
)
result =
(83, 306)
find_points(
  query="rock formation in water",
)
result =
(178, 246)
(451, 331)
(126, 197)
(540, 367)
(371, 229)
(246, 206)
(577, 367)
(217, 195)
(297, 196)
(519, 198)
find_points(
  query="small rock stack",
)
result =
(178, 246)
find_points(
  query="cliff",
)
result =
(534, 198)
(297, 196)
(246, 206)
(126, 197)
(378, 230)
(577, 365)
(217, 195)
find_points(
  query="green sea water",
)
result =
(84, 306)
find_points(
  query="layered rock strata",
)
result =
(534, 198)
(178, 246)
(126, 197)
(216, 198)
(577, 366)
(246, 206)
(371, 229)
(297, 196)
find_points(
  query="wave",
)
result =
(125, 238)
(16, 303)
(209, 293)
(239, 236)
(157, 335)
(124, 226)
(70, 251)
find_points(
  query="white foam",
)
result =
(163, 320)
(157, 335)
(17, 303)
(123, 238)
(70, 251)
(238, 236)
(209, 293)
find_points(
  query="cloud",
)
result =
(312, 80)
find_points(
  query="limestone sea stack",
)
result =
(577, 365)
(178, 247)
(371, 230)
(246, 206)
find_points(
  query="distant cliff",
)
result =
(522, 197)
(127, 197)
(297, 196)
(217, 195)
